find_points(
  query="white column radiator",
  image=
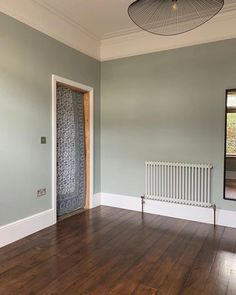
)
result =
(180, 183)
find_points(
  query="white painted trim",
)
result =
(226, 218)
(117, 44)
(96, 201)
(86, 88)
(19, 229)
(228, 8)
(199, 214)
(230, 175)
(38, 16)
(221, 27)
(62, 14)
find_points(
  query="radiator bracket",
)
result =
(142, 203)
(214, 208)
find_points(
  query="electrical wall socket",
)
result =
(43, 140)
(41, 192)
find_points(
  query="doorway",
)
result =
(72, 147)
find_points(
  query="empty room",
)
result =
(118, 147)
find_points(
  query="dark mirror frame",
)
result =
(225, 138)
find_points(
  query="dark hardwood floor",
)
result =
(113, 251)
(230, 188)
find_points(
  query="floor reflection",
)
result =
(230, 189)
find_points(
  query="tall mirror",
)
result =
(230, 146)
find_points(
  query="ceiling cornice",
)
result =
(135, 29)
(222, 27)
(66, 18)
(119, 44)
(52, 24)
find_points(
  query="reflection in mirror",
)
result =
(230, 145)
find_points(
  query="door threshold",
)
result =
(68, 215)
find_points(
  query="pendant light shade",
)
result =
(172, 17)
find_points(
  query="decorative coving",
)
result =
(140, 42)
(53, 24)
(119, 44)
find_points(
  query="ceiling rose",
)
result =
(172, 17)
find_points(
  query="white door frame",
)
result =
(85, 88)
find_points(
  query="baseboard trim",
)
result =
(19, 229)
(205, 215)
(24, 227)
(96, 200)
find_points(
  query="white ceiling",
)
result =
(103, 30)
(99, 17)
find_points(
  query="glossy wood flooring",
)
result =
(230, 188)
(112, 251)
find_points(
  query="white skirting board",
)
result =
(96, 200)
(206, 215)
(19, 229)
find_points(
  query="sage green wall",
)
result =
(166, 106)
(28, 59)
(163, 106)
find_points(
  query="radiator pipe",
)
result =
(142, 202)
(214, 208)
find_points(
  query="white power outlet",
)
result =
(41, 192)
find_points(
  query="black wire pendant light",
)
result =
(172, 17)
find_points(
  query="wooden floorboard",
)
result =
(113, 251)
